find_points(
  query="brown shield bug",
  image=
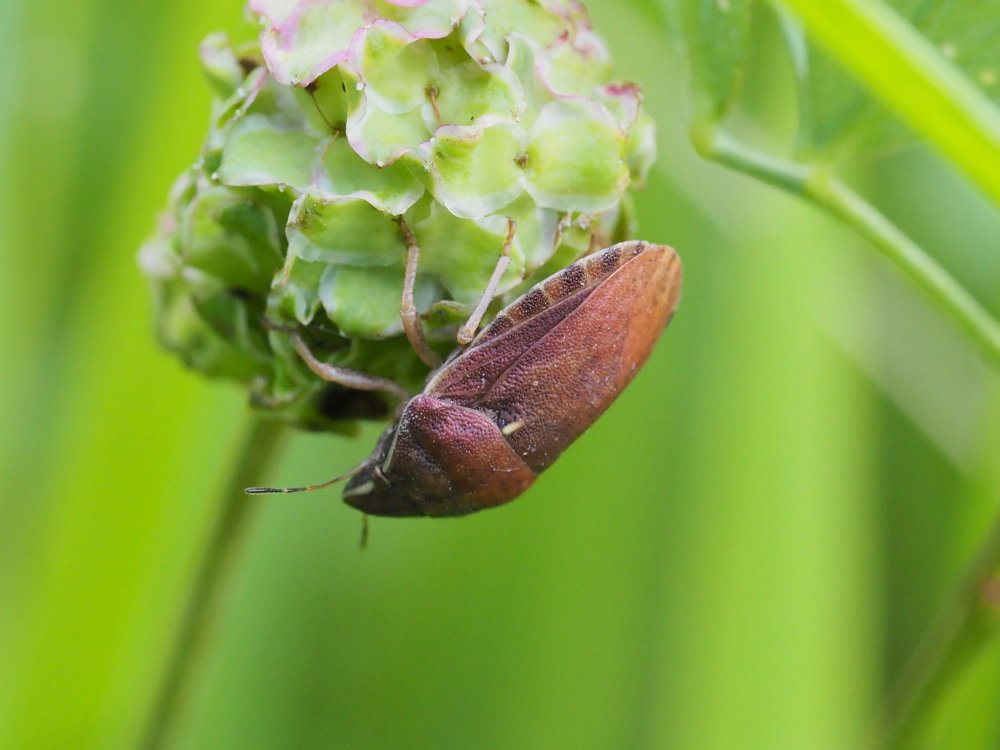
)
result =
(499, 411)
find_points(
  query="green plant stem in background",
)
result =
(964, 625)
(905, 71)
(236, 510)
(957, 632)
(831, 194)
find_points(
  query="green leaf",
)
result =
(462, 253)
(323, 103)
(220, 64)
(396, 70)
(910, 72)
(295, 296)
(537, 229)
(511, 17)
(575, 65)
(467, 90)
(259, 151)
(378, 136)
(392, 189)
(344, 230)
(422, 19)
(316, 41)
(830, 102)
(364, 302)
(576, 157)
(836, 111)
(640, 149)
(968, 33)
(475, 167)
(522, 55)
(232, 237)
(715, 36)
(232, 349)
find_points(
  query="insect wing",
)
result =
(555, 359)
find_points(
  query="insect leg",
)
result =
(468, 331)
(363, 542)
(360, 381)
(407, 309)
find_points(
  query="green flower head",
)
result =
(353, 123)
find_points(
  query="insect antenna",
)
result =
(309, 488)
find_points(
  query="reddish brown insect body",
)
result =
(501, 411)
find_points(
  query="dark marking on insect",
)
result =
(501, 410)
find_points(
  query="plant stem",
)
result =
(906, 71)
(959, 630)
(822, 189)
(260, 444)
(951, 639)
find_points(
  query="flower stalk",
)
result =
(207, 595)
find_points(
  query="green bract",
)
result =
(455, 115)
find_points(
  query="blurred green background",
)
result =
(740, 554)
